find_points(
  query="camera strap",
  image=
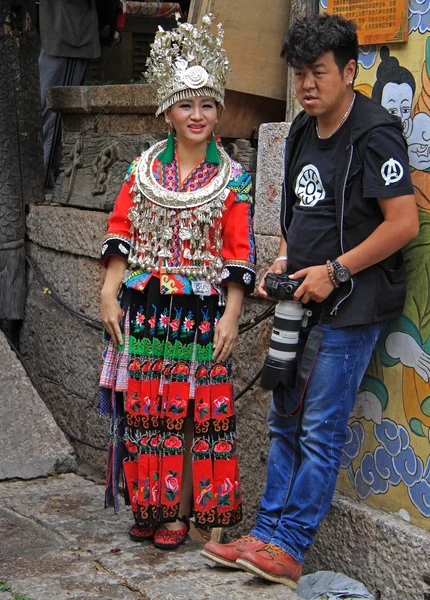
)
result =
(309, 357)
(304, 371)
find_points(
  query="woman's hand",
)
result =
(110, 308)
(279, 267)
(225, 338)
(111, 316)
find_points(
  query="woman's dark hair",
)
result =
(310, 37)
(389, 71)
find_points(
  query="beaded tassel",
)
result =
(166, 157)
(212, 155)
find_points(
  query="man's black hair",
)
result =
(310, 37)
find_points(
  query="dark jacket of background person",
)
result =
(69, 28)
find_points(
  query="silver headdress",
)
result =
(188, 62)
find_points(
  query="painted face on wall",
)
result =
(419, 143)
(397, 99)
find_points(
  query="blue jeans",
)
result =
(306, 449)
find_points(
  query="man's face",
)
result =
(321, 88)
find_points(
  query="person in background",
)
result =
(69, 36)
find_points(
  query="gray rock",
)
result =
(27, 451)
(69, 230)
(65, 354)
(270, 167)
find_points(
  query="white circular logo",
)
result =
(391, 171)
(309, 187)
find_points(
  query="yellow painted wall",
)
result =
(386, 459)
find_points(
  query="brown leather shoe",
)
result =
(227, 554)
(273, 563)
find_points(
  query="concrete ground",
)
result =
(57, 542)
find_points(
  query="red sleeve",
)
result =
(118, 236)
(238, 249)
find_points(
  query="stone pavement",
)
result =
(59, 543)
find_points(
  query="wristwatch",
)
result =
(341, 273)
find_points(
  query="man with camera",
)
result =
(348, 207)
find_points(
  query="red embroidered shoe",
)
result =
(141, 533)
(227, 554)
(273, 563)
(169, 539)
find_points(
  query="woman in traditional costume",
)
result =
(180, 248)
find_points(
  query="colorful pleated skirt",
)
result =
(163, 374)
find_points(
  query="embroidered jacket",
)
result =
(208, 241)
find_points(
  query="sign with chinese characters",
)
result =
(378, 21)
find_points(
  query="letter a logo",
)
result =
(391, 171)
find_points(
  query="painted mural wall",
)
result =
(386, 460)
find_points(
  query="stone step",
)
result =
(58, 543)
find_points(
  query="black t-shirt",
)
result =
(312, 235)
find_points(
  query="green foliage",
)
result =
(5, 587)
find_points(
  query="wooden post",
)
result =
(21, 170)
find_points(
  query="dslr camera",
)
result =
(280, 365)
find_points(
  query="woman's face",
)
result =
(194, 119)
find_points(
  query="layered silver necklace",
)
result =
(339, 125)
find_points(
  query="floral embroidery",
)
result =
(173, 442)
(218, 372)
(146, 403)
(155, 491)
(123, 249)
(154, 440)
(171, 485)
(140, 322)
(163, 321)
(224, 492)
(188, 324)
(202, 409)
(132, 448)
(145, 488)
(205, 495)
(202, 374)
(135, 402)
(223, 449)
(175, 323)
(180, 370)
(205, 326)
(201, 446)
(221, 406)
(177, 406)
(151, 322)
(135, 366)
(225, 273)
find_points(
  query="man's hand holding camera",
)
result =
(279, 267)
(316, 284)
